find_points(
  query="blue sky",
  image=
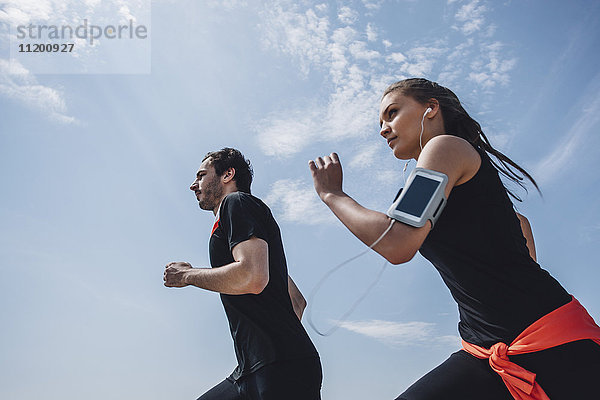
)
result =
(96, 167)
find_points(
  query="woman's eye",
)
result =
(392, 113)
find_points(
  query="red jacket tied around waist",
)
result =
(549, 331)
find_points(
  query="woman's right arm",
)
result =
(398, 246)
(447, 154)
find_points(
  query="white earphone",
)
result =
(422, 120)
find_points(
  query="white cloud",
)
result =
(421, 59)
(418, 61)
(400, 333)
(380, 82)
(298, 202)
(391, 177)
(125, 14)
(13, 16)
(347, 15)
(471, 15)
(17, 83)
(396, 57)
(227, 4)
(344, 35)
(461, 51)
(492, 64)
(357, 66)
(372, 5)
(21, 12)
(490, 30)
(351, 106)
(302, 35)
(356, 70)
(350, 113)
(565, 153)
(492, 69)
(321, 7)
(340, 40)
(365, 156)
(84, 57)
(452, 72)
(92, 3)
(352, 110)
(359, 51)
(371, 33)
(285, 136)
(16, 80)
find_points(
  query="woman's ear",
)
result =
(435, 108)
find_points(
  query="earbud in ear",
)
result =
(428, 110)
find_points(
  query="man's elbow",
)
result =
(257, 283)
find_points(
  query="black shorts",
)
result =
(289, 380)
(566, 372)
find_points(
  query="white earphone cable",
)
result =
(313, 293)
(422, 121)
(343, 318)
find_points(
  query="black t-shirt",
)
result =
(264, 327)
(478, 248)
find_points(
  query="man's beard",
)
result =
(211, 195)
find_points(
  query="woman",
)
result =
(510, 308)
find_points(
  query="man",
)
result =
(276, 358)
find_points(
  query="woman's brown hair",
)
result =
(459, 123)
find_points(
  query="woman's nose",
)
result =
(385, 129)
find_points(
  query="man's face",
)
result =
(207, 186)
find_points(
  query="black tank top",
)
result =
(478, 248)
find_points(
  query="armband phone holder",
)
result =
(422, 199)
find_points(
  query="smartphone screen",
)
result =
(417, 196)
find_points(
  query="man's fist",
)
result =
(175, 273)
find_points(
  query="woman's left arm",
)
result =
(450, 155)
(298, 300)
(528, 234)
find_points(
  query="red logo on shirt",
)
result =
(215, 226)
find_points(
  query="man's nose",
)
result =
(194, 186)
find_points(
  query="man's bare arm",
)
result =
(248, 274)
(298, 301)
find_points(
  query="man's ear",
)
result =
(229, 175)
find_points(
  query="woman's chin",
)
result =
(400, 154)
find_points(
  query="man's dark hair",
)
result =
(226, 158)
